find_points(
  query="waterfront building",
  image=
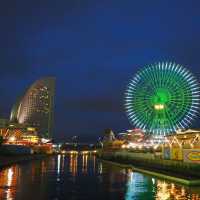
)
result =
(184, 146)
(109, 136)
(15, 110)
(35, 107)
(10, 131)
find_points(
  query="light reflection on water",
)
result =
(84, 163)
(170, 191)
(85, 177)
(73, 164)
(8, 182)
(139, 186)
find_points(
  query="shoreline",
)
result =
(148, 169)
(156, 174)
(6, 161)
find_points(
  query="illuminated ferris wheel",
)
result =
(162, 98)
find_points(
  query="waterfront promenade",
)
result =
(185, 173)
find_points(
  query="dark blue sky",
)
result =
(93, 48)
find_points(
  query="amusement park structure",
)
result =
(162, 98)
(161, 101)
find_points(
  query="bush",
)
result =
(1, 140)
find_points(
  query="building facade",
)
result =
(35, 108)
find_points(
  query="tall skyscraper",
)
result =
(15, 111)
(35, 108)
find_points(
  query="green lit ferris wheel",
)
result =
(162, 98)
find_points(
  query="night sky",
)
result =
(93, 48)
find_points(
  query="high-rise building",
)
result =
(35, 107)
(15, 111)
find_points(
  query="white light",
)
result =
(159, 106)
(58, 164)
(12, 139)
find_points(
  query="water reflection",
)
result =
(85, 177)
(94, 164)
(162, 191)
(139, 186)
(73, 164)
(84, 163)
(58, 164)
(170, 191)
(100, 168)
(8, 182)
(43, 167)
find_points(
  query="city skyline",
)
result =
(93, 49)
(99, 100)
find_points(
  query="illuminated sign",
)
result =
(192, 155)
(30, 129)
(176, 154)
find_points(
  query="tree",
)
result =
(1, 140)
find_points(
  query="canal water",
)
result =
(83, 177)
